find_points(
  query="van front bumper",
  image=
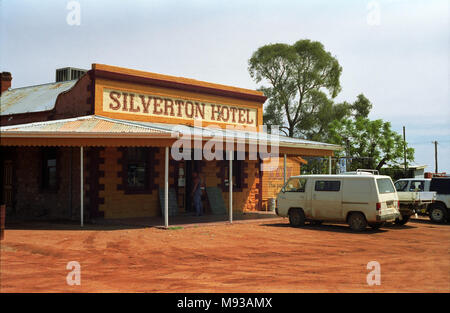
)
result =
(388, 217)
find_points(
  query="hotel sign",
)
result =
(141, 104)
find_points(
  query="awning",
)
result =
(98, 130)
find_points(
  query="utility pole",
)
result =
(404, 148)
(435, 156)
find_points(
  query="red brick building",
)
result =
(102, 144)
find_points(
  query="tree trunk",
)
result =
(291, 131)
(380, 165)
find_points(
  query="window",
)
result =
(416, 185)
(238, 175)
(401, 185)
(441, 185)
(238, 171)
(327, 185)
(137, 168)
(385, 185)
(295, 185)
(49, 169)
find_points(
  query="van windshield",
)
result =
(385, 185)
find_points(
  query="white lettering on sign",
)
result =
(161, 106)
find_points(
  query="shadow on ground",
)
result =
(426, 221)
(343, 228)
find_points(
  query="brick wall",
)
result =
(31, 201)
(272, 181)
(104, 196)
(116, 203)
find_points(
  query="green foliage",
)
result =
(374, 142)
(300, 79)
(361, 106)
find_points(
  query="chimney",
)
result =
(5, 81)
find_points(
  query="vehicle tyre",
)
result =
(376, 225)
(405, 219)
(296, 217)
(357, 221)
(437, 213)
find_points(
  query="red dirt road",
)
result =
(261, 256)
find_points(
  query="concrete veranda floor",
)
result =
(184, 220)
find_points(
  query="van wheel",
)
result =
(405, 219)
(296, 217)
(437, 213)
(357, 221)
(376, 225)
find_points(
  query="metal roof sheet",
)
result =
(85, 124)
(32, 99)
(235, 134)
(104, 126)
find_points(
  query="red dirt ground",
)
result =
(258, 256)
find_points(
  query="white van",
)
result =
(358, 199)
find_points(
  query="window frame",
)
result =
(126, 161)
(238, 173)
(49, 153)
(385, 192)
(413, 183)
(297, 190)
(327, 181)
(404, 187)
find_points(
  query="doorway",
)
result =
(7, 184)
(190, 166)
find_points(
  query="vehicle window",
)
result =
(327, 185)
(440, 185)
(295, 185)
(416, 185)
(385, 185)
(401, 185)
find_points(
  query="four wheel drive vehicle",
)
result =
(358, 199)
(439, 210)
(412, 198)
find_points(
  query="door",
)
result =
(327, 199)
(294, 195)
(190, 167)
(188, 186)
(8, 183)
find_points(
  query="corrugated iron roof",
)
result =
(33, 98)
(236, 134)
(100, 126)
(91, 124)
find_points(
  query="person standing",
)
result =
(197, 194)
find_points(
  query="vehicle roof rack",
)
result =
(373, 172)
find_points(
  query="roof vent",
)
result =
(69, 73)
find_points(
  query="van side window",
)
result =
(327, 185)
(295, 185)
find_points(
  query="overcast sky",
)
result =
(395, 52)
